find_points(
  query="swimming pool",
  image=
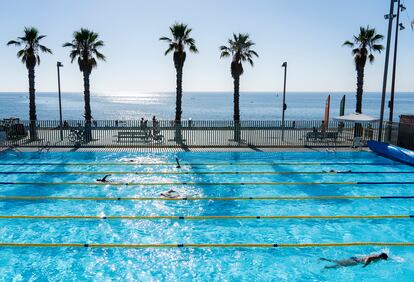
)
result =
(275, 200)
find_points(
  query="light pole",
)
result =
(284, 65)
(399, 26)
(389, 17)
(58, 65)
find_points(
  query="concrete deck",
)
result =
(164, 150)
(190, 137)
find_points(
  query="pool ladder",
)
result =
(44, 147)
(9, 148)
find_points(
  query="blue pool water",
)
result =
(205, 176)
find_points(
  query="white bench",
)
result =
(131, 135)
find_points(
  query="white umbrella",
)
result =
(357, 118)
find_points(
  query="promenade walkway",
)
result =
(194, 137)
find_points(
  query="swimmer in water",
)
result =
(365, 260)
(170, 194)
(103, 180)
(339, 171)
(178, 163)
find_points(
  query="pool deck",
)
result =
(194, 137)
(177, 149)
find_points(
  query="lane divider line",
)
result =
(205, 183)
(173, 183)
(275, 198)
(215, 217)
(193, 245)
(201, 164)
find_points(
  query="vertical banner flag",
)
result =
(327, 106)
(342, 107)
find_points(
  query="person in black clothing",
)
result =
(352, 261)
(104, 179)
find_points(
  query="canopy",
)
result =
(357, 118)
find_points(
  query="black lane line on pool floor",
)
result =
(204, 164)
(204, 183)
(213, 217)
(203, 172)
(275, 198)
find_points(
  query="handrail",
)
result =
(44, 146)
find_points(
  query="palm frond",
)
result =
(165, 39)
(29, 55)
(240, 48)
(24, 58)
(348, 43)
(21, 53)
(189, 41)
(371, 58)
(250, 62)
(378, 47)
(73, 55)
(254, 53)
(193, 49)
(99, 44)
(170, 49)
(180, 39)
(224, 54)
(84, 47)
(100, 56)
(377, 37)
(44, 49)
(364, 44)
(92, 63)
(14, 42)
(68, 44)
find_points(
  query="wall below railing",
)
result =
(112, 133)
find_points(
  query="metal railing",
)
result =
(118, 133)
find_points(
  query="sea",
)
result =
(198, 105)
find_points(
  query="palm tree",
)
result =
(85, 47)
(180, 39)
(239, 47)
(363, 47)
(30, 57)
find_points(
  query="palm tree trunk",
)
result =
(88, 114)
(32, 105)
(236, 104)
(178, 104)
(360, 91)
(179, 96)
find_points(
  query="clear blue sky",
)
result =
(306, 33)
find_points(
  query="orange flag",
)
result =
(327, 107)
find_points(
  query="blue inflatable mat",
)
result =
(392, 152)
